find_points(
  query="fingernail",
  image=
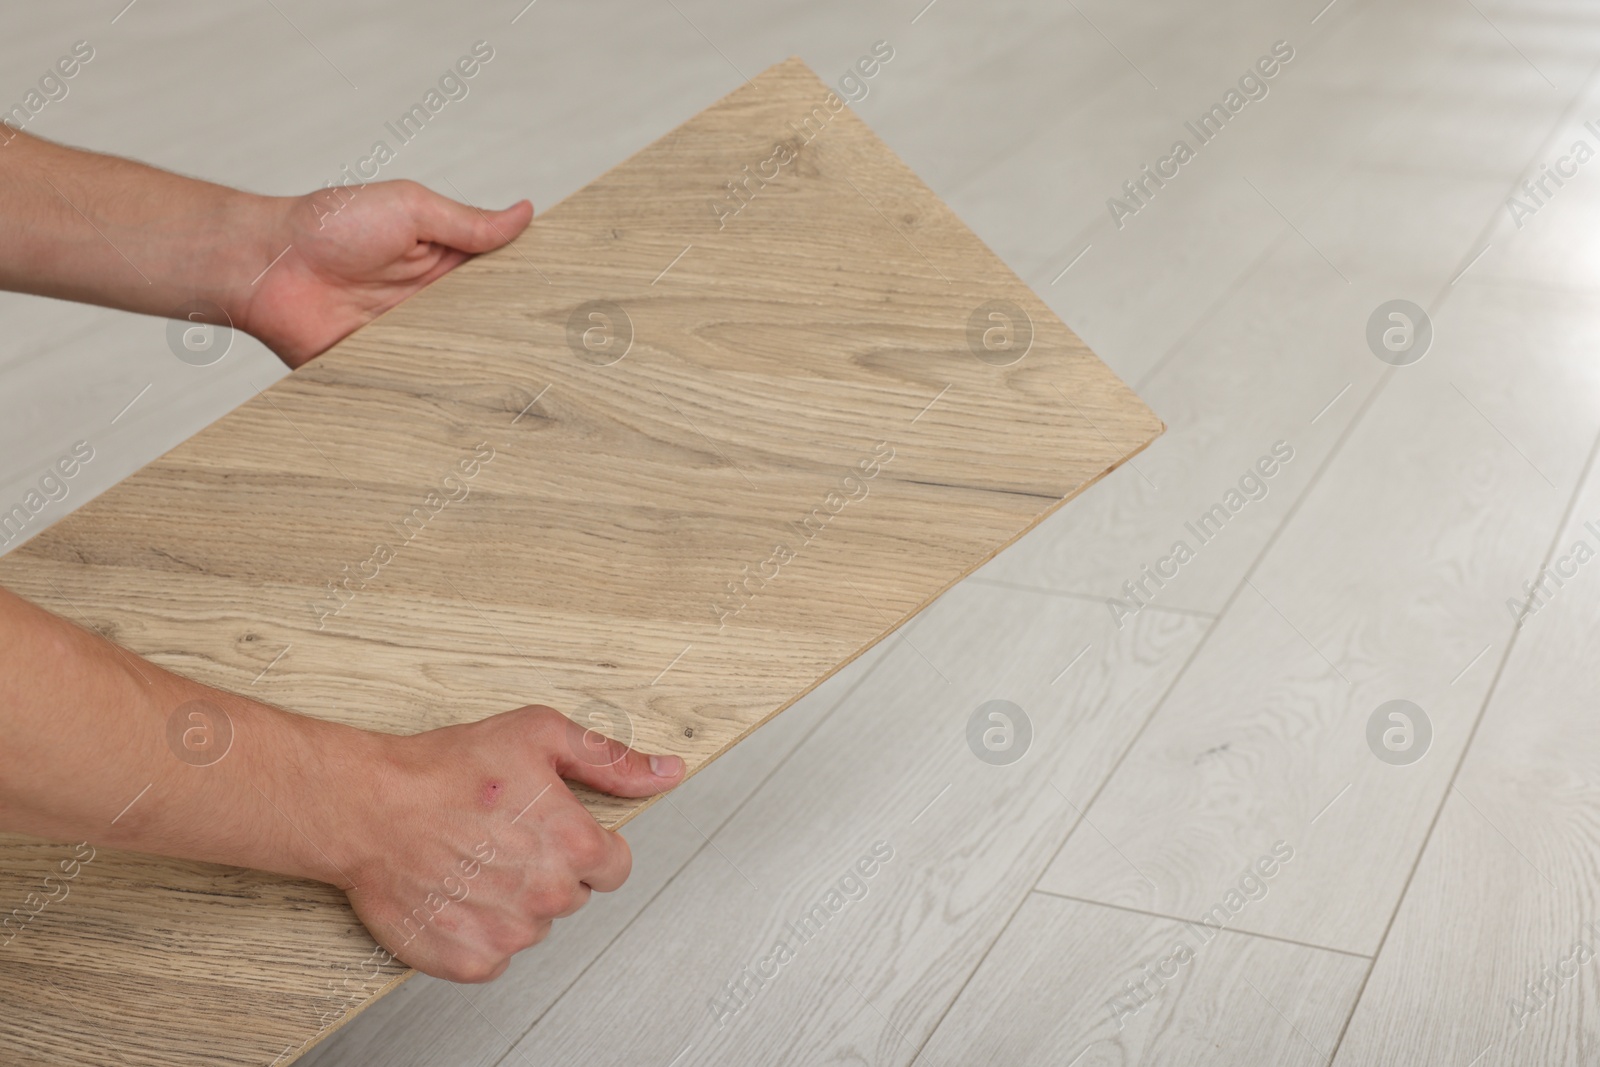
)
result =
(666, 766)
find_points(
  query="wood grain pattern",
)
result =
(1491, 957)
(1055, 991)
(1383, 585)
(820, 334)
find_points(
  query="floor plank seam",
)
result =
(1191, 613)
(1150, 375)
(1288, 516)
(1233, 289)
(1573, 105)
(1177, 919)
(1000, 931)
(1472, 733)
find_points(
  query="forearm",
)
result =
(88, 752)
(83, 226)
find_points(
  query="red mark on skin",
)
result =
(491, 793)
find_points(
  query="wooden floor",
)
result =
(1206, 763)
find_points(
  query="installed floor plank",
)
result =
(1387, 583)
(1492, 954)
(1076, 983)
(1370, 217)
(893, 764)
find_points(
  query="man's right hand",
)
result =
(474, 844)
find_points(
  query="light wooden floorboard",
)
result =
(1492, 956)
(892, 764)
(1386, 583)
(1367, 201)
(1092, 986)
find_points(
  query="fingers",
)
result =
(464, 227)
(579, 899)
(600, 859)
(594, 760)
(590, 856)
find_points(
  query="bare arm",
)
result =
(457, 847)
(298, 272)
(97, 744)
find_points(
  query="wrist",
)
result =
(327, 779)
(282, 792)
(260, 231)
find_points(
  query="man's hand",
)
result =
(477, 844)
(457, 846)
(351, 254)
(298, 272)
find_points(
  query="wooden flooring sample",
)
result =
(711, 428)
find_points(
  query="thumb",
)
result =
(469, 229)
(595, 760)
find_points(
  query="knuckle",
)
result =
(589, 849)
(513, 940)
(578, 844)
(625, 860)
(626, 759)
(547, 901)
(543, 717)
(536, 727)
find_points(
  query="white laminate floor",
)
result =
(1207, 853)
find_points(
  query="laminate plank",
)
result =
(1070, 979)
(204, 92)
(893, 764)
(588, 531)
